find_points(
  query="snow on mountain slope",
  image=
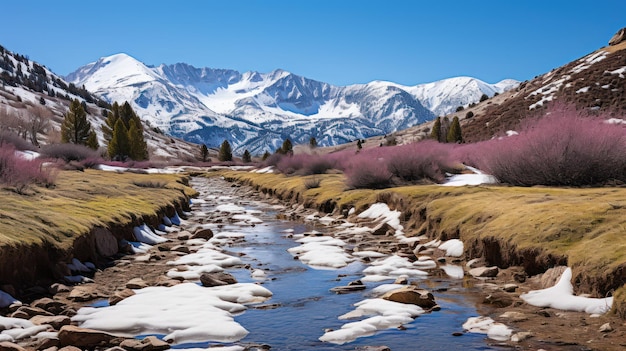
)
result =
(257, 111)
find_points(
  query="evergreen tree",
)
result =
(138, 149)
(92, 141)
(204, 153)
(266, 155)
(484, 97)
(435, 133)
(454, 134)
(287, 148)
(75, 128)
(359, 145)
(135, 146)
(118, 148)
(226, 153)
(246, 158)
(313, 143)
(445, 127)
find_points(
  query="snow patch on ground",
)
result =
(561, 296)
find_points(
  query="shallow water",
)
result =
(303, 306)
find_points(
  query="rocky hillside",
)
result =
(31, 96)
(596, 82)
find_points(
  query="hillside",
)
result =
(257, 111)
(595, 82)
(33, 101)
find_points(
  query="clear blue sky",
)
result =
(339, 42)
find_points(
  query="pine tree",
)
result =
(109, 122)
(359, 145)
(435, 134)
(226, 153)
(454, 134)
(75, 128)
(92, 141)
(265, 155)
(287, 148)
(246, 158)
(138, 149)
(445, 127)
(118, 148)
(313, 143)
(204, 153)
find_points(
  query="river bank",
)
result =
(549, 328)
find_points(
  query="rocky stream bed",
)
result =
(364, 257)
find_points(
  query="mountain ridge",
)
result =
(262, 109)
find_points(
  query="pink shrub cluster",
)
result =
(564, 148)
(15, 171)
(303, 164)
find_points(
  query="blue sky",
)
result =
(339, 42)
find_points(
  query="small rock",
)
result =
(184, 235)
(498, 299)
(136, 283)
(521, 336)
(82, 337)
(120, 295)
(484, 272)
(70, 348)
(9, 346)
(48, 344)
(83, 293)
(606, 328)
(217, 279)
(55, 321)
(457, 334)
(382, 229)
(514, 316)
(401, 281)
(475, 263)
(203, 233)
(58, 288)
(181, 248)
(510, 287)
(411, 295)
(49, 305)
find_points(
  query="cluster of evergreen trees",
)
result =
(122, 130)
(445, 131)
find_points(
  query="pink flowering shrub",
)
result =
(565, 148)
(303, 164)
(18, 172)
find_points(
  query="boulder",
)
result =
(382, 229)
(411, 295)
(70, 348)
(106, 243)
(56, 322)
(33, 311)
(83, 337)
(619, 37)
(498, 299)
(217, 279)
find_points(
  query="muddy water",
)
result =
(303, 307)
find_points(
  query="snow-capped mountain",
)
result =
(257, 111)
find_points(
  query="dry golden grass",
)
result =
(82, 200)
(586, 226)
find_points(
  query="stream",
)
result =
(303, 306)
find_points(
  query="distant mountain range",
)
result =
(257, 111)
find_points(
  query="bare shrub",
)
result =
(150, 184)
(68, 152)
(312, 183)
(8, 137)
(565, 148)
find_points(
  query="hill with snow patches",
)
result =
(257, 111)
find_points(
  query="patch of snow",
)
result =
(453, 247)
(561, 296)
(185, 312)
(322, 252)
(582, 90)
(384, 315)
(616, 121)
(486, 325)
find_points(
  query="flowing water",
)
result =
(303, 307)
